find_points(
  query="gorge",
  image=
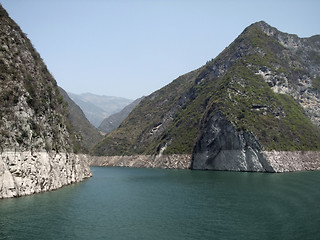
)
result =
(255, 107)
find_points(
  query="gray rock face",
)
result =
(306, 52)
(25, 173)
(303, 92)
(285, 161)
(221, 147)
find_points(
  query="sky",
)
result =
(131, 48)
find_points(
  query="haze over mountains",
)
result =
(98, 107)
(88, 134)
(112, 122)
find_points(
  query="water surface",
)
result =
(129, 203)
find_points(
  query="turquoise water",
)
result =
(129, 203)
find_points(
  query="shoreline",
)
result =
(25, 173)
(174, 161)
(276, 161)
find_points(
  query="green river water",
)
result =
(131, 203)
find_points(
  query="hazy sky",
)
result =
(132, 48)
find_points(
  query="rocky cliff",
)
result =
(222, 147)
(36, 137)
(259, 97)
(26, 172)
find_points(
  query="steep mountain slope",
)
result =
(146, 124)
(90, 136)
(96, 107)
(36, 144)
(113, 121)
(260, 94)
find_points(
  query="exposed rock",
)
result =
(289, 161)
(25, 173)
(144, 161)
(221, 147)
(304, 92)
(228, 160)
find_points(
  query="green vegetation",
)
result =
(135, 133)
(276, 119)
(231, 83)
(29, 97)
(84, 136)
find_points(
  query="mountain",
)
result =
(90, 135)
(251, 108)
(37, 142)
(97, 107)
(112, 122)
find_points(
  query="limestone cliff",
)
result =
(222, 147)
(36, 138)
(25, 173)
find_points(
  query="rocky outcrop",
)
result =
(25, 173)
(303, 92)
(290, 161)
(175, 161)
(297, 84)
(221, 147)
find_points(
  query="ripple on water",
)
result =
(123, 203)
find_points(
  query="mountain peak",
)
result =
(263, 27)
(261, 91)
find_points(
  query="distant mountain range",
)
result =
(98, 107)
(112, 122)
